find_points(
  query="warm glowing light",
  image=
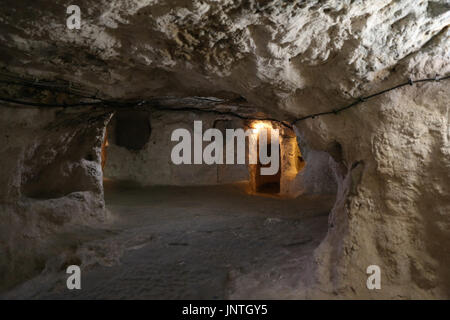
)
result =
(258, 125)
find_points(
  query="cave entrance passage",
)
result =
(268, 183)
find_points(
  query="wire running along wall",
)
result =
(95, 100)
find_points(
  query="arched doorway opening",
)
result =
(291, 162)
(268, 183)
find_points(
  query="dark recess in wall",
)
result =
(132, 129)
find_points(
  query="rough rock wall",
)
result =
(318, 176)
(152, 165)
(291, 55)
(392, 208)
(51, 177)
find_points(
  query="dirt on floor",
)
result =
(209, 242)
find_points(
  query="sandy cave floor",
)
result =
(209, 242)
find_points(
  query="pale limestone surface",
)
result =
(152, 165)
(392, 153)
(51, 178)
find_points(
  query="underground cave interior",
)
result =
(201, 238)
(363, 81)
(190, 231)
